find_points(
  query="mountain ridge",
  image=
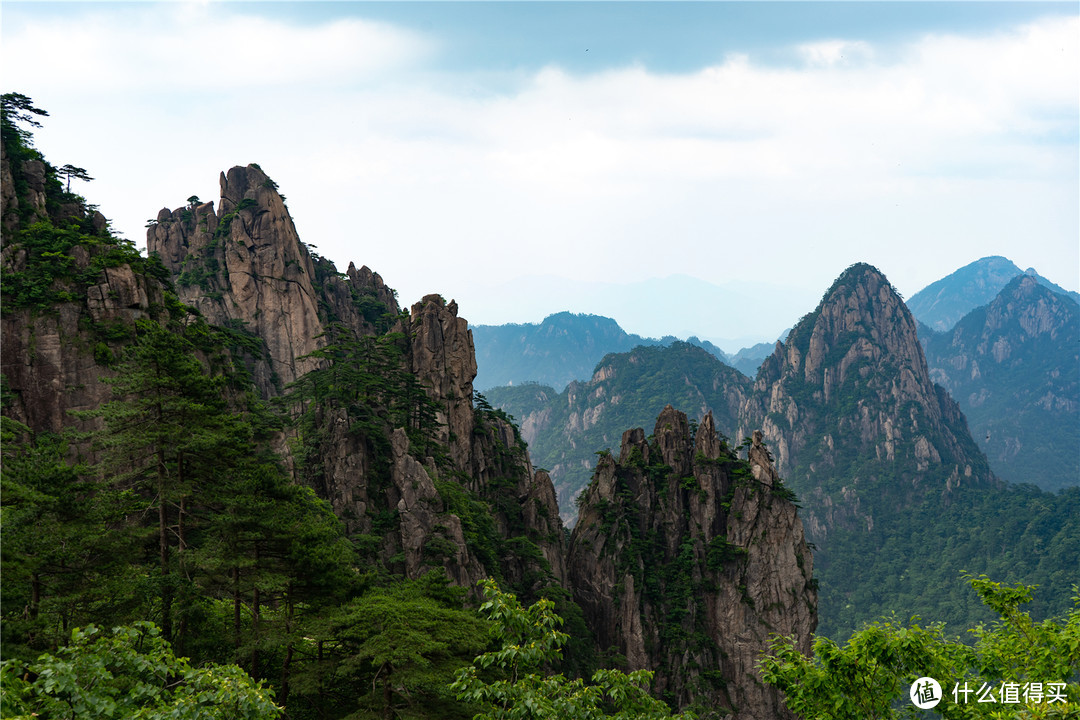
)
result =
(942, 303)
(567, 346)
(1014, 367)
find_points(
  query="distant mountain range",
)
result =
(1009, 362)
(941, 304)
(880, 456)
(566, 347)
(1013, 366)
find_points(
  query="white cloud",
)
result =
(829, 53)
(202, 47)
(920, 162)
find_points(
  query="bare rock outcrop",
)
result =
(442, 356)
(429, 535)
(245, 266)
(851, 381)
(686, 560)
(54, 361)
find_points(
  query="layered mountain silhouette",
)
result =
(1013, 366)
(941, 304)
(895, 492)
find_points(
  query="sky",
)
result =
(704, 168)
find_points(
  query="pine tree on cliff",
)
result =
(168, 432)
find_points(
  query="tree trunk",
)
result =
(35, 595)
(283, 693)
(236, 607)
(255, 619)
(163, 547)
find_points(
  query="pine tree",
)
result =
(167, 435)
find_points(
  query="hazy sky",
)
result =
(526, 158)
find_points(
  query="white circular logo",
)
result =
(925, 693)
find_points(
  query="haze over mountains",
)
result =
(566, 347)
(849, 408)
(941, 304)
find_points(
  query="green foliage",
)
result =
(62, 563)
(1015, 533)
(366, 377)
(869, 677)
(477, 523)
(510, 681)
(720, 552)
(127, 674)
(16, 108)
(406, 640)
(71, 172)
(17, 119)
(49, 274)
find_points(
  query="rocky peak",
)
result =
(861, 319)
(672, 435)
(1014, 368)
(442, 357)
(852, 381)
(245, 266)
(1032, 308)
(941, 304)
(685, 558)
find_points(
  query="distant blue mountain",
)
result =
(941, 304)
(567, 346)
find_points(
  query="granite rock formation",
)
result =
(244, 266)
(852, 383)
(686, 559)
(1014, 368)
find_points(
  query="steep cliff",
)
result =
(848, 406)
(72, 293)
(564, 429)
(244, 266)
(686, 559)
(1014, 368)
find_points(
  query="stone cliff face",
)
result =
(442, 357)
(851, 383)
(54, 355)
(685, 560)
(1014, 368)
(565, 429)
(245, 266)
(53, 361)
(470, 501)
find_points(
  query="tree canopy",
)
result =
(129, 673)
(1016, 668)
(510, 683)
